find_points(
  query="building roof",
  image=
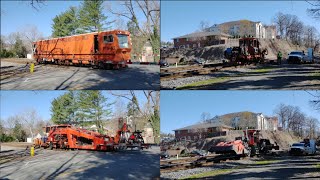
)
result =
(202, 34)
(204, 125)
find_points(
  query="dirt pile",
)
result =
(206, 53)
(283, 139)
(276, 45)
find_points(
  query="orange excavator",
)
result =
(250, 145)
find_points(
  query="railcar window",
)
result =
(108, 39)
(123, 40)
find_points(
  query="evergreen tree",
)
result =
(66, 23)
(155, 123)
(93, 108)
(64, 109)
(18, 132)
(91, 18)
(19, 48)
(132, 107)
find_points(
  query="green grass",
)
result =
(263, 69)
(210, 173)
(316, 74)
(265, 162)
(203, 83)
(318, 166)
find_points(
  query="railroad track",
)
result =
(200, 162)
(188, 71)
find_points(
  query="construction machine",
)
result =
(125, 139)
(247, 52)
(66, 136)
(249, 145)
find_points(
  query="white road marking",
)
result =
(26, 80)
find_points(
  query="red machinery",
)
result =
(125, 139)
(248, 51)
(67, 137)
(250, 145)
(106, 49)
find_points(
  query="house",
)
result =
(245, 27)
(200, 39)
(271, 32)
(202, 130)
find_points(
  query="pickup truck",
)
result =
(298, 57)
(303, 148)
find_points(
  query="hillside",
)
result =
(216, 52)
(283, 139)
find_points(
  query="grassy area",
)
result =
(316, 74)
(265, 162)
(318, 166)
(204, 83)
(210, 173)
(263, 70)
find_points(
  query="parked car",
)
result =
(297, 57)
(163, 63)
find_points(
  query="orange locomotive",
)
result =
(107, 49)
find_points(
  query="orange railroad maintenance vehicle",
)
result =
(65, 136)
(250, 145)
(106, 49)
(248, 51)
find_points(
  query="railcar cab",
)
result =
(112, 41)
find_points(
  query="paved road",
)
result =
(51, 77)
(301, 167)
(47, 164)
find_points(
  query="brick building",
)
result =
(200, 39)
(202, 130)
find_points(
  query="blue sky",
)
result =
(183, 108)
(15, 102)
(15, 15)
(183, 17)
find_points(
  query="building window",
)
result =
(178, 132)
(177, 40)
(187, 39)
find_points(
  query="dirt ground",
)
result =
(287, 167)
(283, 167)
(53, 164)
(15, 76)
(285, 76)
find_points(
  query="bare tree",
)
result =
(310, 36)
(205, 117)
(279, 20)
(204, 26)
(31, 34)
(150, 27)
(315, 102)
(315, 10)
